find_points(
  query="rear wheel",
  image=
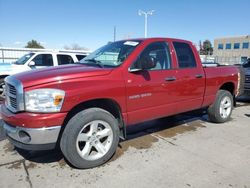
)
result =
(221, 110)
(90, 138)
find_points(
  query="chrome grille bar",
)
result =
(14, 94)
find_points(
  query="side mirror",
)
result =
(147, 63)
(144, 63)
(32, 64)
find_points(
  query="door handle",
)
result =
(198, 75)
(169, 79)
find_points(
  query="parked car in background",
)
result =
(34, 60)
(246, 69)
(245, 78)
(86, 108)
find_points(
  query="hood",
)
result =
(59, 73)
(10, 68)
(5, 67)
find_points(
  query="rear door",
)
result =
(190, 77)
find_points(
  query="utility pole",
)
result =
(114, 33)
(140, 13)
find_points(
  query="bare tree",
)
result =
(74, 46)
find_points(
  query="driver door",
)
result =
(147, 88)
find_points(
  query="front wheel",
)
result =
(90, 138)
(221, 110)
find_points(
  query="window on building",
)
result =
(237, 45)
(245, 45)
(228, 46)
(220, 46)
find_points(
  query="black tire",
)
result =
(214, 110)
(76, 125)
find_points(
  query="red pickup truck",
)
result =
(85, 108)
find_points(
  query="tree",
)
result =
(206, 48)
(74, 47)
(33, 44)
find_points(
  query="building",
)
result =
(232, 50)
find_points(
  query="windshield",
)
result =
(24, 59)
(112, 54)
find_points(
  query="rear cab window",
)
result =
(80, 57)
(64, 59)
(185, 55)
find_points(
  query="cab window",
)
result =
(80, 57)
(43, 60)
(185, 55)
(156, 54)
(64, 59)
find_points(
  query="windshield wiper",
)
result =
(99, 63)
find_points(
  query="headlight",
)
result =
(44, 100)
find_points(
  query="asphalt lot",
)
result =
(180, 151)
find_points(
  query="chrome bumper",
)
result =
(33, 136)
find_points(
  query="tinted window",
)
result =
(64, 59)
(220, 46)
(80, 57)
(247, 63)
(158, 54)
(185, 55)
(236, 45)
(228, 46)
(245, 45)
(243, 60)
(43, 60)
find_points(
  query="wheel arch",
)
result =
(109, 105)
(3, 76)
(230, 87)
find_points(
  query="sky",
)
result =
(90, 24)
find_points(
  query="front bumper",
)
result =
(33, 138)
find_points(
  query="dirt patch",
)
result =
(31, 165)
(8, 147)
(242, 104)
(143, 142)
(16, 165)
(172, 132)
(62, 163)
(165, 129)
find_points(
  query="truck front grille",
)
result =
(14, 94)
(247, 82)
(12, 89)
